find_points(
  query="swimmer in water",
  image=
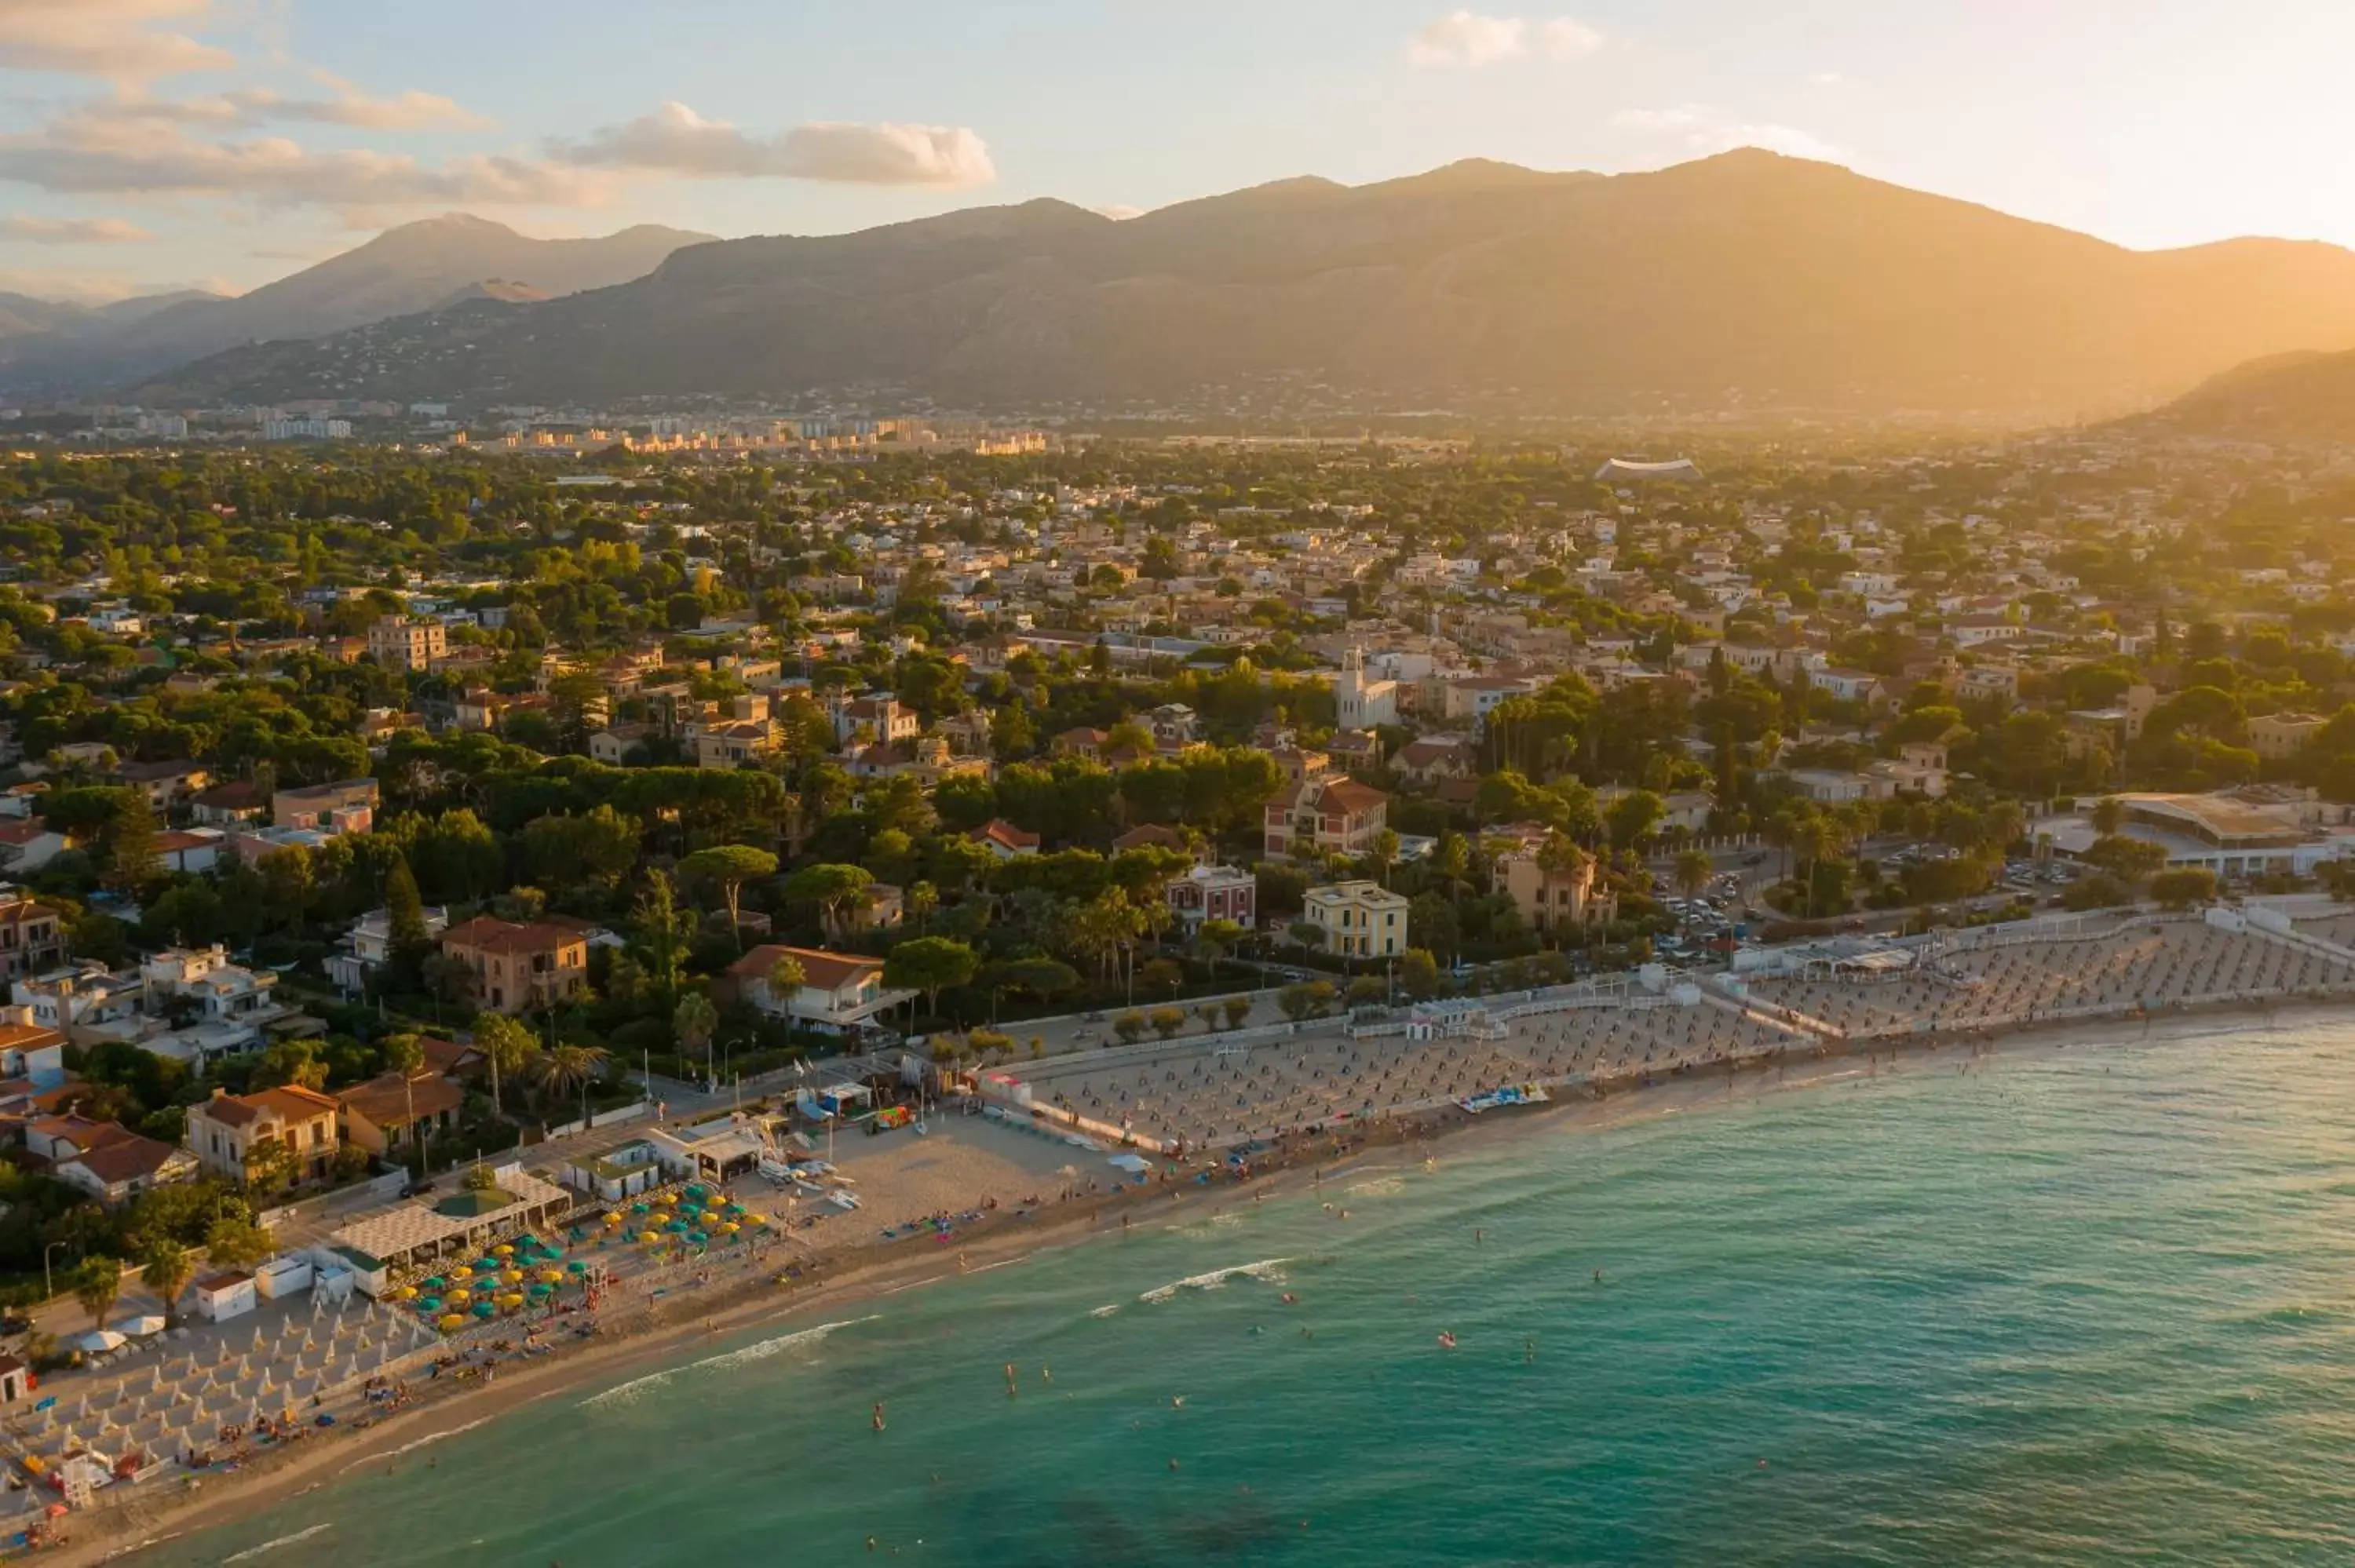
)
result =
(876, 1419)
(1446, 1339)
(1046, 1375)
(1177, 1401)
(1009, 1379)
(1529, 1352)
(1598, 1277)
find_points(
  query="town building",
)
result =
(1553, 889)
(401, 643)
(1359, 701)
(1358, 919)
(226, 1131)
(2278, 736)
(32, 936)
(1325, 816)
(114, 1164)
(1213, 892)
(517, 967)
(391, 1117)
(347, 806)
(839, 991)
(368, 945)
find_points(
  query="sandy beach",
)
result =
(971, 1156)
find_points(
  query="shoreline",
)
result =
(855, 1275)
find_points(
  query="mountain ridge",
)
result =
(411, 268)
(1747, 279)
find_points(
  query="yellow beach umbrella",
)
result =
(551, 1277)
(730, 1228)
(406, 1293)
(503, 1250)
(651, 1237)
(612, 1219)
(510, 1302)
(513, 1277)
(460, 1296)
(454, 1322)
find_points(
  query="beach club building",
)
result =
(2260, 832)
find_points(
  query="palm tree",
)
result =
(2004, 822)
(1811, 842)
(1693, 871)
(920, 900)
(97, 1284)
(1781, 829)
(567, 1067)
(693, 1022)
(2108, 815)
(405, 1055)
(169, 1265)
(787, 977)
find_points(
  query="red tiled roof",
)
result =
(1349, 795)
(1000, 831)
(237, 795)
(28, 1037)
(388, 1102)
(488, 934)
(125, 1158)
(824, 970)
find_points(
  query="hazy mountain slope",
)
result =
(2290, 398)
(1745, 280)
(415, 267)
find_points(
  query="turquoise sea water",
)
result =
(2096, 1306)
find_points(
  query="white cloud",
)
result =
(115, 38)
(1465, 38)
(71, 231)
(1566, 40)
(676, 140)
(1703, 130)
(1469, 41)
(272, 171)
(245, 108)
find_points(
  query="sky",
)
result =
(147, 144)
